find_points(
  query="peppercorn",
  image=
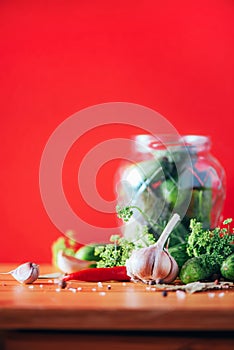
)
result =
(164, 293)
(152, 282)
(62, 284)
(160, 281)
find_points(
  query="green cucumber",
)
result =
(169, 191)
(195, 270)
(87, 252)
(227, 268)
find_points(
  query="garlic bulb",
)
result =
(154, 263)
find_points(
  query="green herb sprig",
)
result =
(214, 246)
(119, 250)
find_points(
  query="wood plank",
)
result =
(126, 306)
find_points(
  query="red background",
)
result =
(58, 57)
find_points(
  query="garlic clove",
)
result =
(34, 274)
(26, 273)
(174, 271)
(139, 265)
(70, 264)
(162, 266)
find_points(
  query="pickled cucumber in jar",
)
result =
(169, 177)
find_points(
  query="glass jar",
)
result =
(171, 174)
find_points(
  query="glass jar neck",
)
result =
(197, 143)
(193, 143)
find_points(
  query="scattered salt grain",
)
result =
(79, 289)
(94, 289)
(147, 288)
(30, 287)
(57, 289)
(211, 295)
(50, 281)
(221, 295)
(102, 294)
(41, 286)
(180, 294)
(99, 284)
(124, 284)
(73, 290)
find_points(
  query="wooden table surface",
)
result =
(130, 308)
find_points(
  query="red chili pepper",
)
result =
(99, 274)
